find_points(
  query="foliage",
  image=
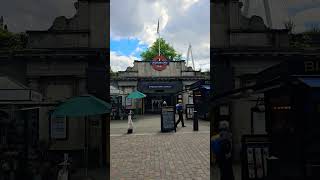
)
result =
(165, 49)
(301, 40)
(12, 41)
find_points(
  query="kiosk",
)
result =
(292, 99)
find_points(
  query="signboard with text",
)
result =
(168, 119)
(160, 86)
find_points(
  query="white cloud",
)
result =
(312, 15)
(181, 22)
(120, 62)
(301, 12)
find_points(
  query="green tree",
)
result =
(165, 49)
(13, 41)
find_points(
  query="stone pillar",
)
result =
(219, 24)
(99, 11)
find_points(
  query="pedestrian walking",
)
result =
(222, 148)
(179, 108)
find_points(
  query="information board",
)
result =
(190, 109)
(168, 119)
(255, 150)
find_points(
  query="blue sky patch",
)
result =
(127, 47)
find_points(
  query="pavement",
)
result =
(150, 154)
(151, 124)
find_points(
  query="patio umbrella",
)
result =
(137, 95)
(82, 106)
(85, 105)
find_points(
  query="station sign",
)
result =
(160, 86)
(159, 63)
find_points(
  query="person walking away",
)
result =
(179, 108)
(222, 147)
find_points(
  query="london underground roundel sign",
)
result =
(159, 63)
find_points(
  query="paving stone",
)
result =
(181, 155)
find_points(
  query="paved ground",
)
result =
(149, 154)
(151, 124)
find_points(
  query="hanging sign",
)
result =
(159, 63)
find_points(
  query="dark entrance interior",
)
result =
(157, 91)
(153, 102)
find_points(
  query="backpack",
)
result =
(216, 146)
(221, 147)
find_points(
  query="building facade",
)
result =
(240, 48)
(168, 84)
(69, 59)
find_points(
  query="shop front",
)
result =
(288, 96)
(201, 96)
(292, 98)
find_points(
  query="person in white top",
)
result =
(164, 103)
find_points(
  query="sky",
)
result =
(134, 22)
(133, 28)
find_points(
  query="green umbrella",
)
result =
(136, 95)
(86, 105)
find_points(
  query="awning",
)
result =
(206, 87)
(311, 82)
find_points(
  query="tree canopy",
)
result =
(12, 41)
(165, 49)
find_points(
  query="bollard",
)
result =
(130, 123)
(195, 121)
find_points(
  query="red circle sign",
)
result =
(159, 63)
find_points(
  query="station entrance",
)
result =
(157, 92)
(154, 102)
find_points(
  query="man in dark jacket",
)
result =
(179, 108)
(224, 159)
